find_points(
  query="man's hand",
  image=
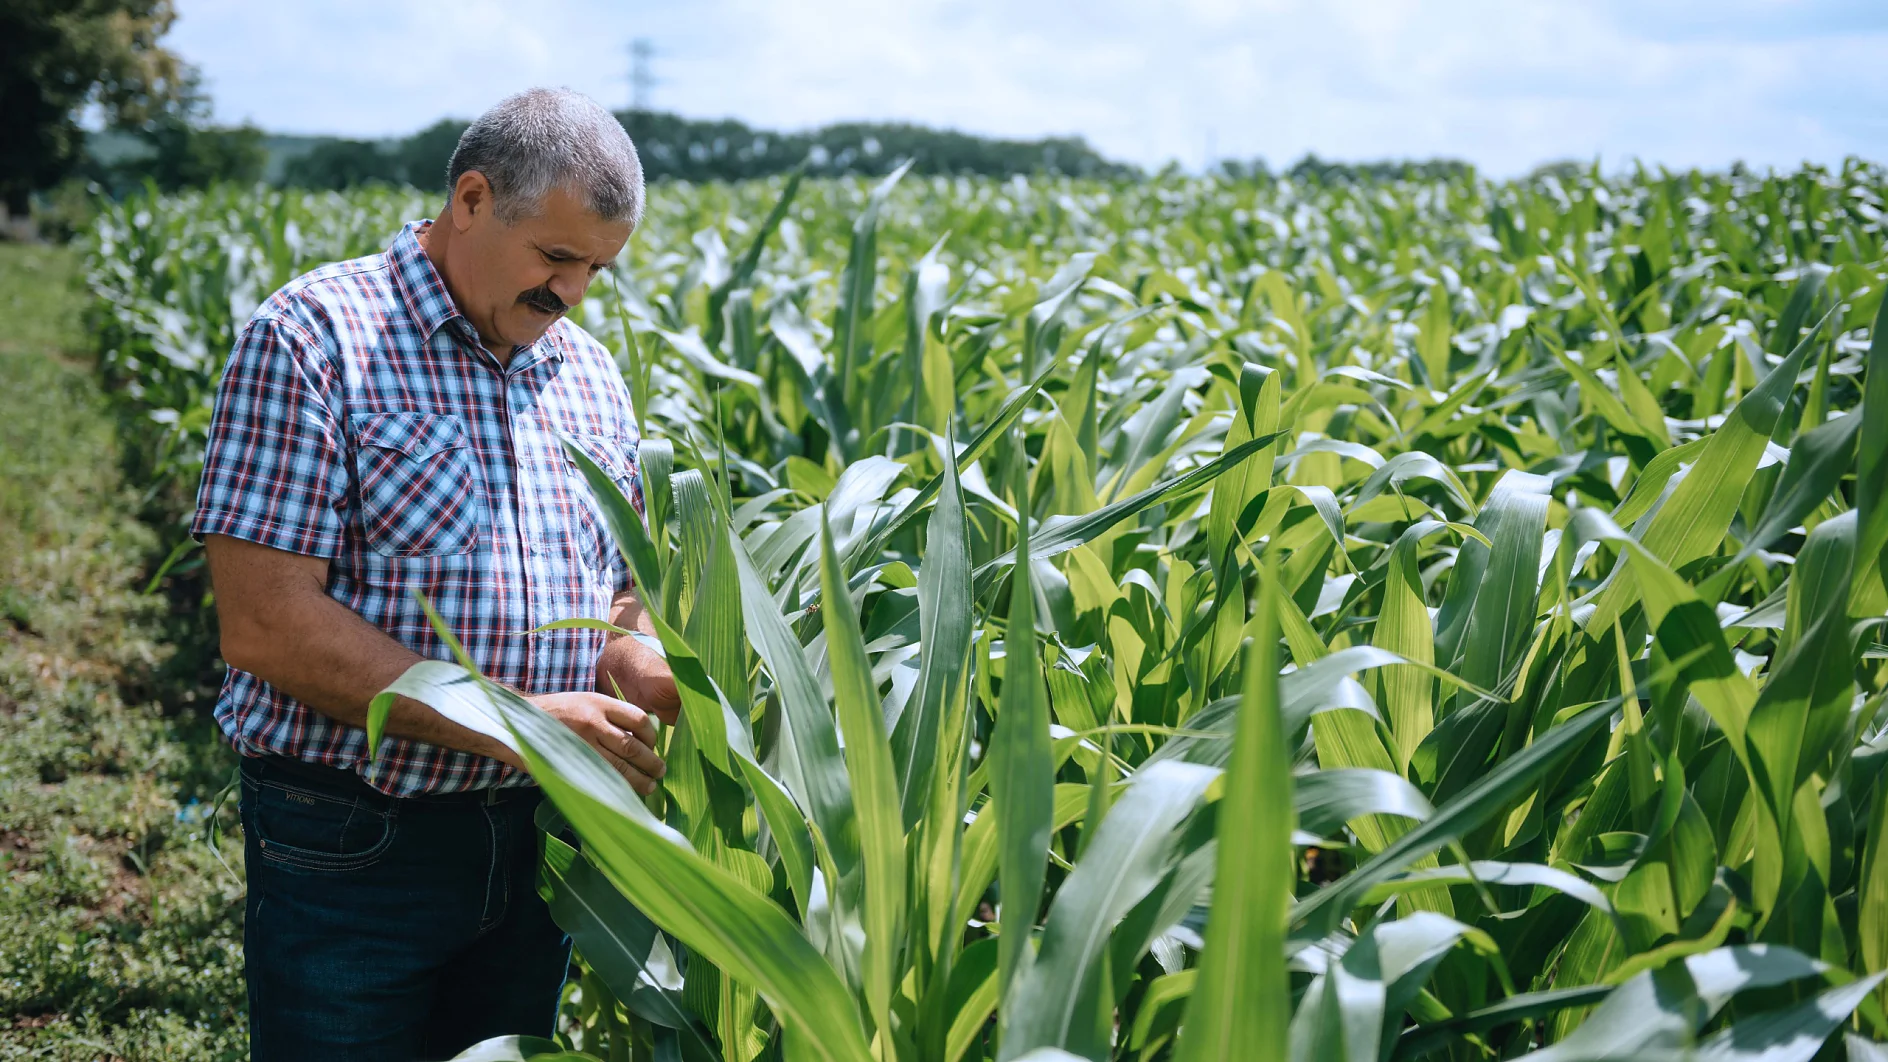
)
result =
(622, 732)
(638, 671)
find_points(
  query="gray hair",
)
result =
(541, 139)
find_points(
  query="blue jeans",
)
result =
(391, 929)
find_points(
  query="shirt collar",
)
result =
(430, 304)
(427, 301)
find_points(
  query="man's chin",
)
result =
(529, 326)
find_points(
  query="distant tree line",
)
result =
(179, 149)
(677, 148)
(1313, 169)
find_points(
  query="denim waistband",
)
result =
(341, 782)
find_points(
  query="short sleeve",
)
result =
(275, 471)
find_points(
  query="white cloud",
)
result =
(1504, 84)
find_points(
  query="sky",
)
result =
(1505, 84)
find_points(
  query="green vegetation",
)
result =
(1354, 616)
(119, 931)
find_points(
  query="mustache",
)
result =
(543, 299)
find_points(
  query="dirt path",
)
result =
(120, 929)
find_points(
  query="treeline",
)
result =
(173, 154)
(1311, 168)
(677, 148)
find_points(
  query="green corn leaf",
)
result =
(1499, 622)
(1419, 1041)
(812, 765)
(1066, 535)
(712, 911)
(1692, 521)
(445, 688)
(972, 997)
(1494, 872)
(1872, 901)
(1354, 1008)
(1242, 1004)
(614, 938)
(1256, 415)
(1803, 707)
(945, 628)
(999, 423)
(1792, 1034)
(1328, 798)
(1316, 915)
(1404, 628)
(1652, 479)
(656, 459)
(1817, 462)
(743, 272)
(1022, 781)
(719, 734)
(626, 526)
(1130, 852)
(980, 846)
(1664, 1009)
(875, 790)
(1867, 593)
(856, 287)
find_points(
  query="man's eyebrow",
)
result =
(569, 254)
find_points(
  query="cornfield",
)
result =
(1202, 619)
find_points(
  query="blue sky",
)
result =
(1506, 84)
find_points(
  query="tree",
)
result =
(57, 57)
(188, 154)
(337, 163)
(424, 155)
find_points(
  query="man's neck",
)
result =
(434, 238)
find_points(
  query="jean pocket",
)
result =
(314, 831)
(419, 492)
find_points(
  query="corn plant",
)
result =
(1204, 619)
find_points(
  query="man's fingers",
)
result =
(632, 735)
(637, 780)
(632, 720)
(640, 755)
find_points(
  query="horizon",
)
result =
(1771, 84)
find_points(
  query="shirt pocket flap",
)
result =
(610, 452)
(413, 435)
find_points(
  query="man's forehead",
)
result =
(565, 226)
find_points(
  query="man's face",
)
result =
(513, 281)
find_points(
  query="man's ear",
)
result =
(471, 197)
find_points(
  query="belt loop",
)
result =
(490, 797)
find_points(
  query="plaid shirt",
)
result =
(360, 420)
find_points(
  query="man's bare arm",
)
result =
(279, 624)
(628, 665)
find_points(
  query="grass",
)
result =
(120, 931)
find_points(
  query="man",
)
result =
(386, 427)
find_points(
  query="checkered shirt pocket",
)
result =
(419, 492)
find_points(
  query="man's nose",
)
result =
(568, 287)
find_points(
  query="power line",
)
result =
(642, 78)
